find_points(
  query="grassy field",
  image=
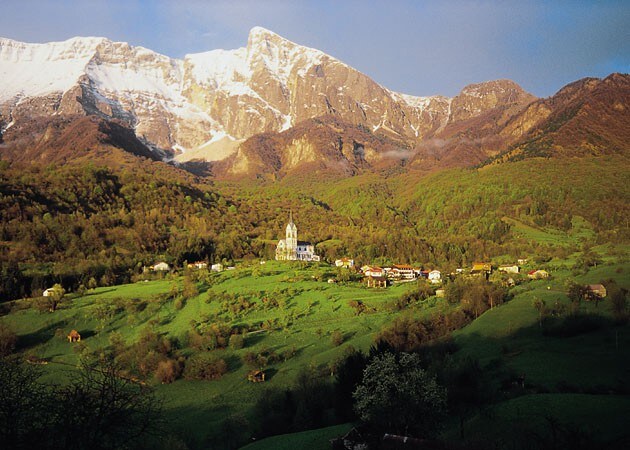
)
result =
(309, 311)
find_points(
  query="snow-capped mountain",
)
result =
(206, 104)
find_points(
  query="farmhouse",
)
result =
(198, 265)
(479, 268)
(376, 281)
(435, 276)
(48, 292)
(345, 262)
(373, 271)
(538, 274)
(290, 249)
(598, 290)
(218, 267)
(403, 272)
(160, 267)
(509, 268)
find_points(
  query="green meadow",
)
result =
(303, 325)
(569, 377)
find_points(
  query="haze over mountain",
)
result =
(312, 108)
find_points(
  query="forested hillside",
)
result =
(82, 221)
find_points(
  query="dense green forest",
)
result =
(80, 224)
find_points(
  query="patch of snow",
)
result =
(32, 70)
(287, 123)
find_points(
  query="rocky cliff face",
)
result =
(588, 117)
(206, 104)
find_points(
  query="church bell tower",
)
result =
(291, 239)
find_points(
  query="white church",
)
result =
(290, 249)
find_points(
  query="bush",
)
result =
(236, 341)
(203, 366)
(168, 371)
(180, 302)
(337, 338)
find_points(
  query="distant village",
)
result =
(292, 249)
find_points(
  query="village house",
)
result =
(596, 289)
(218, 267)
(48, 292)
(161, 267)
(345, 262)
(509, 268)
(435, 277)
(290, 249)
(481, 268)
(376, 281)
(402, 272)
(197, 265)
(373, 271)
(537, 274)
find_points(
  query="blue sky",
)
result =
(415, 47)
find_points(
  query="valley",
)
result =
(149, 300)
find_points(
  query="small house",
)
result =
(372, 271)
(537, 274)
(161, 267)
(435, 277)
(198, 265)
(481, 268)
(345, 262)
(216, 267)
(376, 281)
(598, 290)
(74, 336)
(509, 268)
(48, 292)
(256, 376)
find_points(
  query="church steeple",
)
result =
(291, 239)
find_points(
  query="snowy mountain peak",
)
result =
(207, 100)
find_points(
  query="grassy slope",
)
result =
(195, 407)
(591, 364)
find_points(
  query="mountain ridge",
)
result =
(275, 106)
(205, 99)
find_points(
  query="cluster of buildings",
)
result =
(379, 276)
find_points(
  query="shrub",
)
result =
(203, 366)
(236, 341)
(337, 338)
(168, 371)
(180, 302)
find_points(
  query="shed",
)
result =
(256, 376)
(74, 336)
